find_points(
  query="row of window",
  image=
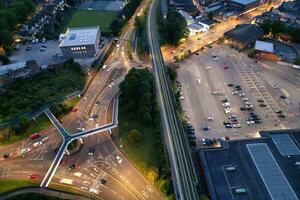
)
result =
(79, 52)
(78, 48)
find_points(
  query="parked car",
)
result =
(262, 105)
(206, 128)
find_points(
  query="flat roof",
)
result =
(245, 33)
(80, 36)
(250, 168)
(244, 2)
(196, 26)
(4, 69)
(264, 46)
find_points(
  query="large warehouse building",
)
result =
(80, 42)
(243, 5)
(265, 168)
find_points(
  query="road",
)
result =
(183, 171)
(201, 40)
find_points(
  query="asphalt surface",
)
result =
(200, 75)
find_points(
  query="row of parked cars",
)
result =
(211, 141)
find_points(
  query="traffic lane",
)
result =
(131, 174)
(41, 147)
(24, 169)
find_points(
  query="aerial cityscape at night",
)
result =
(149, 99)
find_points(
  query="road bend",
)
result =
(182, 167)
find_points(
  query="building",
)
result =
(8, 73)
(185, 5)
(243, 36)
(188, 18)
(243, 5)
(195, 29)
(259, 168)
(266, 16)
(206, 23)
(80, 42)
(265, 50)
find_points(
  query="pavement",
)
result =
(200, 75)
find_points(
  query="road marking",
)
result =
(144, 194)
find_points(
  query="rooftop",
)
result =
(245, 33)
(266, 167)
(80, 36)
(264, 46)
(195, 26)
(4, 69)
(244, 2)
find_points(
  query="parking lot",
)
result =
(227, 94)
(43, 56)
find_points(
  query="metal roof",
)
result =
(275, 181)
(4, 69)
(244, 2)
(264, 46)
(80, 36)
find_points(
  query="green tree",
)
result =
(134, 136)
(278, 27)
(210, 15)
(296, 35)
(297, 61)
(266, 26)
(176, 27)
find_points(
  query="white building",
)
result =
(195, 29)
(80, 42)
(188, 18)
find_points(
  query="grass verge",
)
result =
(102, 19)
(10, 184)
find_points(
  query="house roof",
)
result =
(4, 69)
(245, 33)
(80, 36)
(264, 46)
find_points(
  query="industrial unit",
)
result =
(80, 42)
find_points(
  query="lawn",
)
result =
(102, 19)
(143, 154)
(10, 184)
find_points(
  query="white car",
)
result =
(227, 110)
(275, 86)
(236, 126)
(208, 67)
(249, 122)
(203, 141)
(235, 92)
(226, 104)
(245, 99)
(119, 159)
(109, 69)
(92, 175)
(249, 106)
(198, 81)
(93, 190)
(248, 103)
(210, 118)
(36, 144)
(104, 66)
(242, 94)
(181, 98)
(25, 150)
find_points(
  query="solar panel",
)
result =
(285, 144)
(276, 183)
(72, 37)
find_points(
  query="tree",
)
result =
(152, 174)
(134, 136)
(296, 35)
(266, 26)
(297, 61)
(210, 15)
(5, 38)
(176, 27)
(278, 27)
